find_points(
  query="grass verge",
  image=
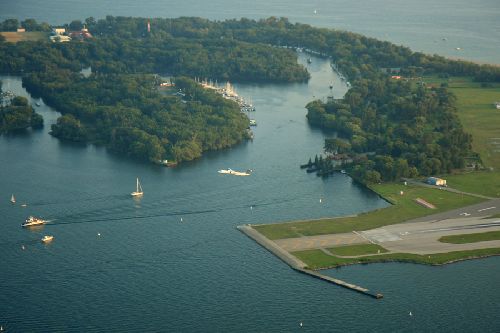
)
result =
(317, 259)
(404, 208)
(471, 238)
(357, 250)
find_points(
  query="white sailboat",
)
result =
(138, 190)
(13, 199)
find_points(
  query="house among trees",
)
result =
(59, 35)
(81, 34)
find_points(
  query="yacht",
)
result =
(138, 190)
(32, 221)
(235, 173)
(47, 238)
(13, 199)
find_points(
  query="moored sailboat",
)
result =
(138, 190)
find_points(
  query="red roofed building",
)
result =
(82, 34)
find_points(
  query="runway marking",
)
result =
(475, 226)
(480, 210)
(368, 239)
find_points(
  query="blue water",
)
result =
(148, 271)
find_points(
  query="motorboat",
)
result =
(32, 221)
(47, 238)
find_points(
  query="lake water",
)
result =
(122, 265)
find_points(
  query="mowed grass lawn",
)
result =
(14, 37)
(357, 250)
(317, 259)
(479, 117)
(404, 208)
(471, 238)
(480, 182)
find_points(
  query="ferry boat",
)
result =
(47, 238)
(32, 221)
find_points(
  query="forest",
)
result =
(393, 128)
(17, 114)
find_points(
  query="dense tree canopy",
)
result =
(405, 129)
(395, 128)
(17, 114)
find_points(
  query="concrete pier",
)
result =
(299, 265)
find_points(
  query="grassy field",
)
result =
(404, 208)
(317, 259)
(357, 250)
(471, 238)
(14, 37)
(479, 117)
(480, 182)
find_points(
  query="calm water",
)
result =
(148, 271)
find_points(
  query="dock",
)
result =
(299, 265)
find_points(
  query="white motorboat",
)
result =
(32, 221)
(47, 238)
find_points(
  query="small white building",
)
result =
(60, 38)
(59, 31)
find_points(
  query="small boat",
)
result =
(38, 104)
(47, 238)
(32, 221)
(13, 199)
(309, 60)
(253, 122)
(235, 173)
(138, 190)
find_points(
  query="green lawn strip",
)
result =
(404, 208)
(471, 238)
(357, 250)
(480, 118)
(483, 182)
(317, 259)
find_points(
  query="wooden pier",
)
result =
(299, 265)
